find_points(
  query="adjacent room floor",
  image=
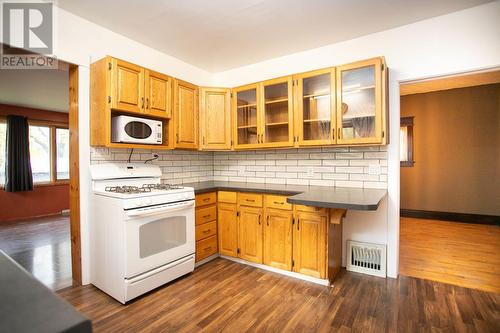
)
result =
(42, 246)
(462, 254)
(226, 296)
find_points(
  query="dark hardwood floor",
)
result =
(42, 246)
(226, 296)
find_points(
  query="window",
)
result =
(406, 142)
(49, 152)
(3, 139)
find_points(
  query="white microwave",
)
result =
(127, 129)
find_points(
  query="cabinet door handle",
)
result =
(268, 220)
(298, 224)
(142, 100)
(177, 137)
(207, 248)
(250, 200)
(206, 231)
(338, 133)
(333, 134)
(147, 103)
(206, 216)
(260, 218)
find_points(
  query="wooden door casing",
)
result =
(278, 238)
(250, 233)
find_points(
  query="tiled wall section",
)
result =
(347, 167)
(178, 166)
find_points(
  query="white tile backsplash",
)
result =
(328, 166)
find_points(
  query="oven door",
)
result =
(158, 235)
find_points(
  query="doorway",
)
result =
(450, 165)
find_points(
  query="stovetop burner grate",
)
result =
(162, 186)
(144, 189)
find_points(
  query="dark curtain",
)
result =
(18, 175)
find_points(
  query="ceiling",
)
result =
(217, 35)
(45, 89)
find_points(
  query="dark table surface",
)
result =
(317, 196)
(26, 305)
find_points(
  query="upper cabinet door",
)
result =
(215, 118)
(315, 107)
(158, 94)
(246, 114)
(186, 115)
(127, 86)
(360, 102)
(277, 115)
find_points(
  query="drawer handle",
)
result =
(206, 199)
(205, 216)
(279, 203)
(207, 248)
(206, 231)
(250, 200)
(268, 220)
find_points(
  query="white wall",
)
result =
(457, 42)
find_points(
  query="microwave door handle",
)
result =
(154, 211)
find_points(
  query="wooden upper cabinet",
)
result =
(127, 86)
(227, 229)
(278, 238)
(361, 114)
(277, 113)
(246, 116)
(186, 115)
(309, 244)
(314, 107)
(158, 94)
(250, 233)
(215, 118)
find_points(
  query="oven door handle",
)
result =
(159, 210)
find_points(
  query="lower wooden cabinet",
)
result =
(309, 244)
(206, 247)
(278, 238)
(206, 225)
(250, 233)
(227, 229)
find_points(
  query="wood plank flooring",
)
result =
(462, 254)
(42, 246)
(224, 296)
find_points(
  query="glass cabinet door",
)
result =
(315, 107)
(246, 116)
(277, 117)
(359, 102)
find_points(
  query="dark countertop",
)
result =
(317, 196)
(28, 306)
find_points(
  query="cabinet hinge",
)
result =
(109, 65)
(231, 95)
(231, 142)
(109, 99)
(293, 220)
(382, 66)
(383, 133)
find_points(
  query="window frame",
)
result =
(52, 125)
(408, 123)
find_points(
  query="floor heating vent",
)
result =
(366, 258)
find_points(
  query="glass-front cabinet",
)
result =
(246, 116)
(360, 102)
(277, 117)
(315, 107)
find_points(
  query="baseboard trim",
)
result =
(279, 271)
(453, 217)
(207, 259)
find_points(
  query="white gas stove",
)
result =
(142, 231)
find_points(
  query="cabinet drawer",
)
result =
(206, 199)
(250, 199)
(206, 214)
(206, 230)
(311, 209)
(277, 201)
(228, 197)
(206, 247)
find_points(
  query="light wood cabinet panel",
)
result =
(225, 196)
(206, 230)
(158, 88)
(250, 233)
(250, 199)
(215, 118)
(227, 226)
(186, 115)
(277, 113)
(127, 86)
(309, 244)
(205, 199)
(314, 107)
(277, 201)
(361, 102)
(278, 239)
(206, 214)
